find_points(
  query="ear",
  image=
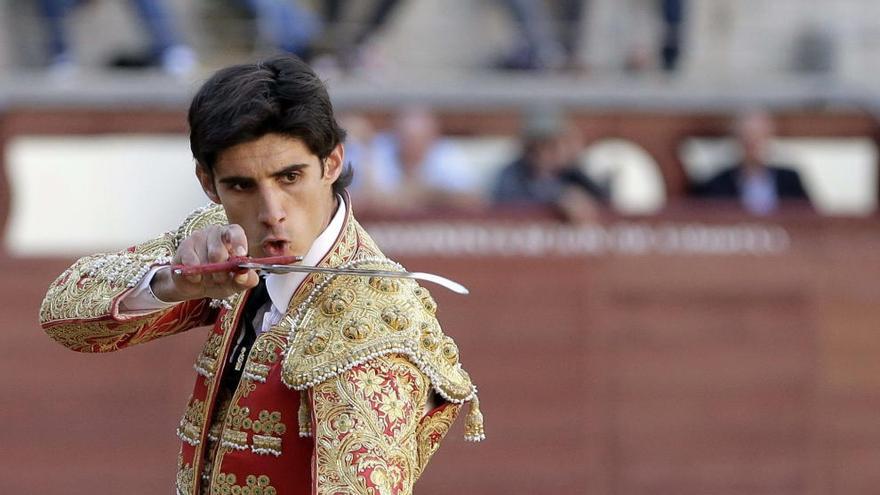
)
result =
(333, 164)
(206, 179)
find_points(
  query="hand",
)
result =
(214, 244)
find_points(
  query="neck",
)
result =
(334, 205)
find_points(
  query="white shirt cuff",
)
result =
(141, 300)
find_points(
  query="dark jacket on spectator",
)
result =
(727, 184)
(517, 185)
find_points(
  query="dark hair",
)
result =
(280, 95)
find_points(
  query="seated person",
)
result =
(548, 173)
(411, 168)
(758, 185)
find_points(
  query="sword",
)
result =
(282, 264)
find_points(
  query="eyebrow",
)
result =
(237, 179)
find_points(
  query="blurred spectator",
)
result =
(166, 51)
(412, 168)
(666, 45)
(548, 40)
(673, 15)
(285, 25)
(548, 173)
(359, 151)
(759, 185)
(347, 44)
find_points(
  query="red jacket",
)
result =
(331, 399)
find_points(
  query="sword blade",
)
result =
(428, 277)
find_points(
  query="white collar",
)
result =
(282, 286)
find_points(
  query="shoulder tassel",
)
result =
(305, 415)
(473, 426)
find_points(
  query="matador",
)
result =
(315, 383)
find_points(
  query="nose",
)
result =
(271, 208)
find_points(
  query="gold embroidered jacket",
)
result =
(331, 399)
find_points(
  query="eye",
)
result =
(238, 186)
(290, 177)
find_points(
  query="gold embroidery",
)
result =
(269, 423)
(357, 330)
(264, 444)
(206, 363)
(427, 301)
(86, 290)
(473, 426)
(237, 421)
(200, 218)
(214, 431)
(450, 351)
(432, 430)
(330, 340)
(304, 417)
(268, 429)
(317, 345)
(337, 302)
(367, 435)
(225, 484)
(185, 477)
(234, 439)
(265, 356)
(367, 248)
(353, 241)
(261, 359)
(78, 310)
(246, 387)
(190, 428)
(395, 318)
(371, 382)
(384, 284)
(430, 337)
(394, 461)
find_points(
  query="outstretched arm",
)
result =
(81, 309)
(84, 308)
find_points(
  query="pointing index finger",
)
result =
(235, 240)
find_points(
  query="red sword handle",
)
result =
(231, 265)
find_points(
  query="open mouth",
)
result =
(275, 247)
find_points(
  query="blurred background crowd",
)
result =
(404, 72)
(734, 143)
(174, 35)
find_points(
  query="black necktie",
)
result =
(245, 337)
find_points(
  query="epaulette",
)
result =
(348, 320)
(212, 214)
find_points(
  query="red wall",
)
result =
(604, 373)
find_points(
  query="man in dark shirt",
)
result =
(758, 185)
(547, 173)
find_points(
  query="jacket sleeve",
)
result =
(81, 307)
(371, 433)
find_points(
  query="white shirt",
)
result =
(141, 300)
(445, 167)
(282, 286)
(758, 193)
